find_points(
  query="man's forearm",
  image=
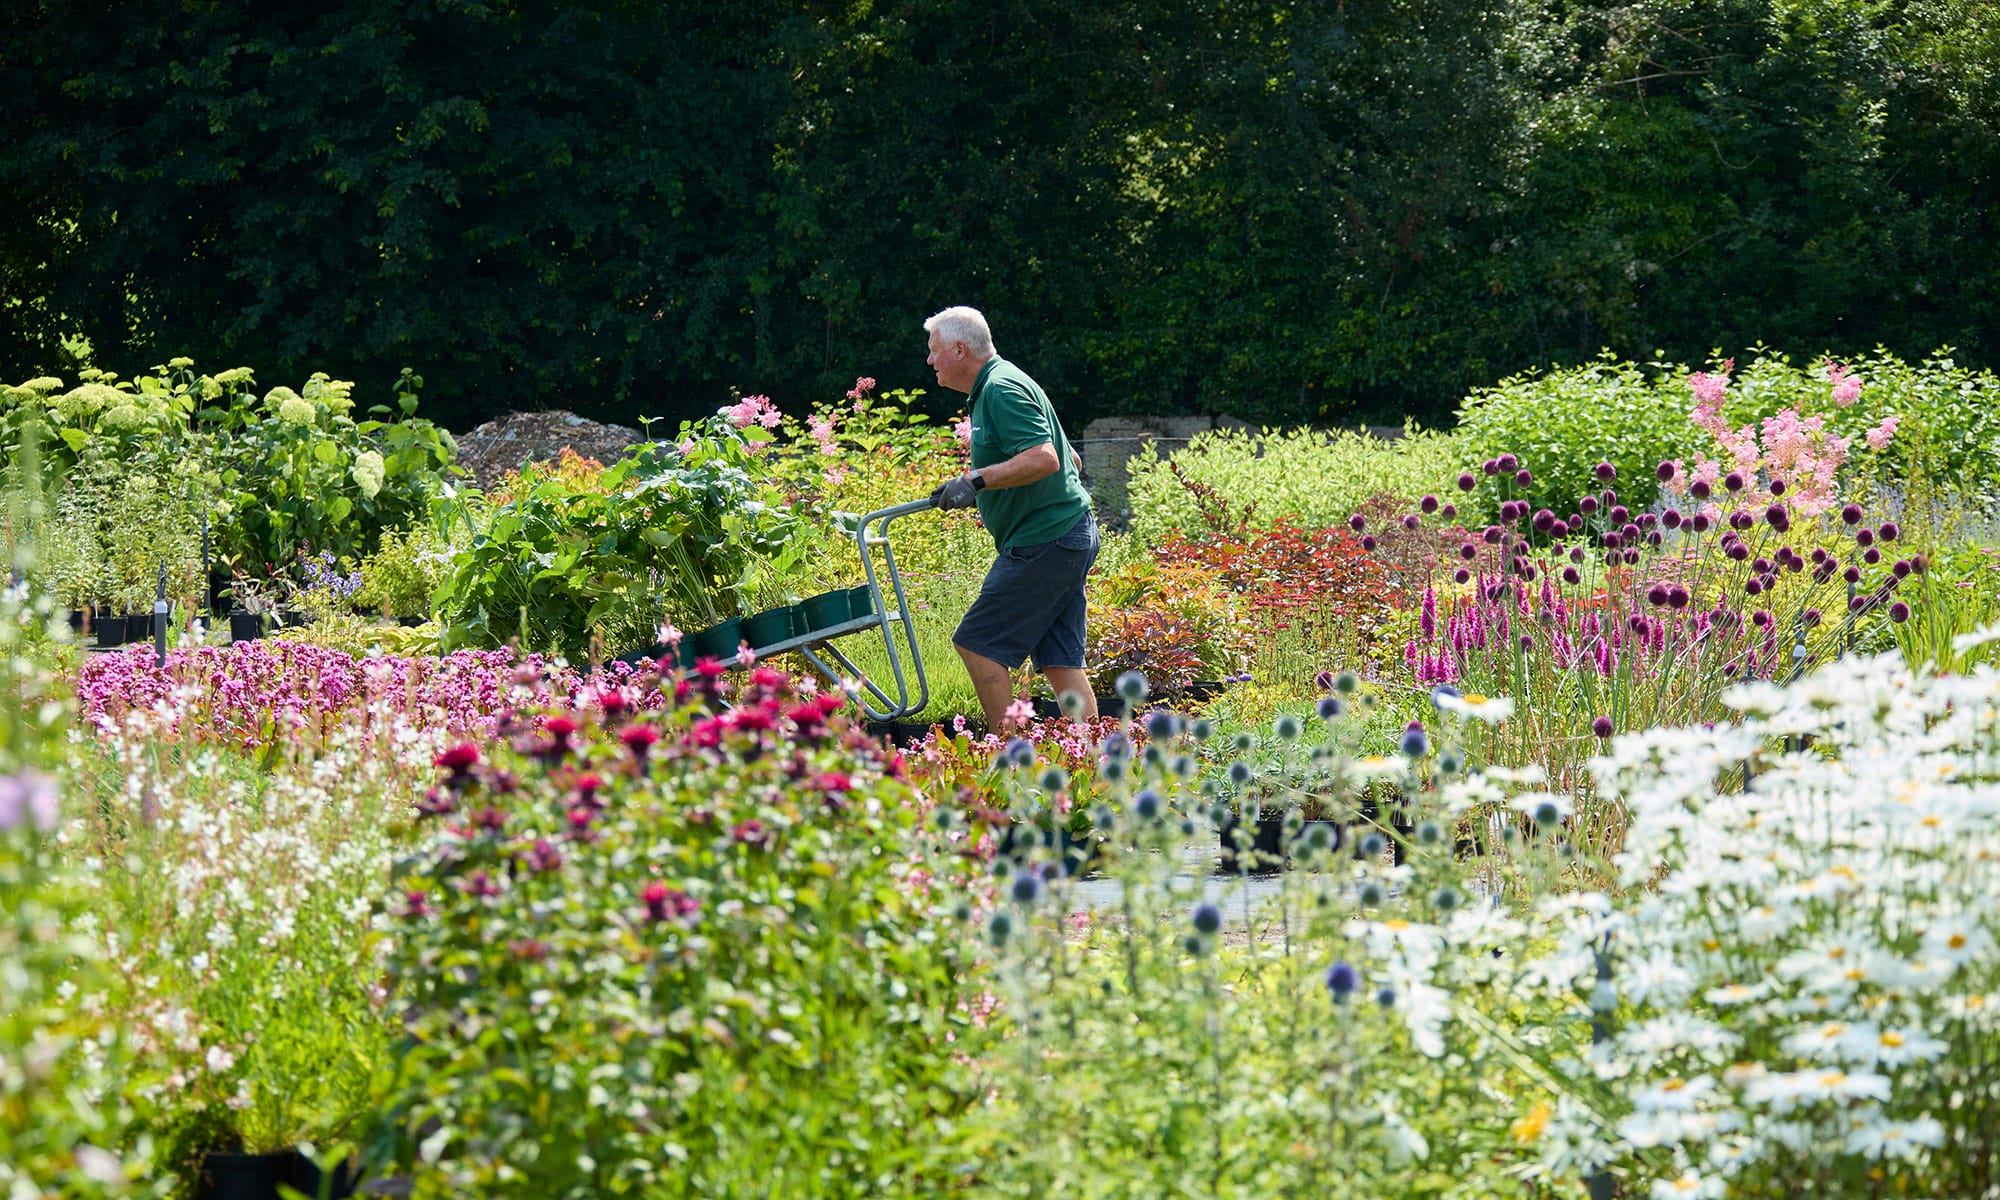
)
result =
(1036, 462)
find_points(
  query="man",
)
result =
(1024, 480)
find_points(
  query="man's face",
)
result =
(953, 364)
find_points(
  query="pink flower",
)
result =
(753, 410)
(962, 430)
(862, 387)
(1846, 384)
(670, 636)
(1708, 388)
(1878, 437)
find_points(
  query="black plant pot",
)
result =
(1080, 853)
(230, 1175)
(902, 734)
(409, 622)
(245, 627)
(1201, 691)
(110, 632)
(1107, 706)
(76, 620)
(1265, 855)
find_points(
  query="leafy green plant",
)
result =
(406, 568)
(63, 1122)
(1315, 478)
(666, 952)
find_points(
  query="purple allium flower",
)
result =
(1468, 551)
(1207, 918)
(1357, 522)
(1741, 519)
(1864, 537)
(1733, 481)
(1657, 594)
(1699, 489)
(1524, 477)
(1851, 513)
(1559, 529)
(1777, 487)
(1545, 520)
(1491, 466)
(1342, 980)
(1601, 726)
(1570, 575)
(1507, 462)
(1638, 624)
(1466, 481)
(1871, 555)
(1492, 535)
(1811, 617)
(1412, 522)
(1461, 575)
(1631, 558)
(1664, 472)
(1606, 472)
(1619, 514)
(1919, 563)
(1701, 523)
(1588, 504)
(1671, 518)
(1753, 587)
(1576, 555)
(1429, 504)
(1679, 597)
(1889, 531)
(1900, 568)
(1368, 541)
(1448, 510)
(1761, 617)
(1857, 603)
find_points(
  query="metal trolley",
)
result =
(870, 534)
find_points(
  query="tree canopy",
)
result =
(1312, 210)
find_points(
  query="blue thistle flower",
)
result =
(1207, 918)
(1446, 899)
(1020, 752)
(1429, 833)
(1386, 997)
(1346, 682)
(1415, 744)
(1371, 894)
(1147, 805)
(1330, 708)
(1163, 725)
(1132, 686)
(998, 927)
(1202, 729)
(1372, 845)
(1240, 773)
(1342, 979)
(1288, 728)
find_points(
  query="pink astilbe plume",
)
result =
(1846, 384)
(1878, 437)
(753, 410)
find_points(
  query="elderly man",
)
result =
(1024, 480)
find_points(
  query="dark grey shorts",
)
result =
(1032, 603)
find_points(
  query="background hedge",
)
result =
(1283, 211)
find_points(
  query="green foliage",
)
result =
(1282, 212)
(696, 974)
(687, 532)
(63, 1124)
(1562, 423)
(407, 566)
(1255, 479)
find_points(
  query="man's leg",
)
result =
(993, 682)
(1072, 679)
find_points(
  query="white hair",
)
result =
(961, 324)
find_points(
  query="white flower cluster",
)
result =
(1801, 980)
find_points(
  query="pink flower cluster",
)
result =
(260, 693)
(1846, 384)
(754, 410)
(1796, 453)
(861, 388)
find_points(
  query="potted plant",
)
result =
(252, 602)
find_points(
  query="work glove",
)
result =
(956, 492)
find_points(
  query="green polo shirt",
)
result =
(1010, 414)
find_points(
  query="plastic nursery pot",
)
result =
(110, 631)
(860, 601)
(1265, 854)
(231, 1175)
(720, 641)
(800, 627)
(769, 627)
(826, 610)
(76, 620)
(245, 627)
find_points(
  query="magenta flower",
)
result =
(1601, 726)
(1466, 481)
